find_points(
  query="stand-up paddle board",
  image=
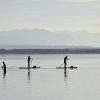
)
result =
(71, 67)
(34, 67)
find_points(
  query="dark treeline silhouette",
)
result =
(50, 51)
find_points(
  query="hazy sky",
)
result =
(54, 15)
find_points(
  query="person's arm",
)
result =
(67, 58)
(2, 66)
(31, 58)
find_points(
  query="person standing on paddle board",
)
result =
(65, 61)
(29, 61)
(4, 68)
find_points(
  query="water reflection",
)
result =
(66, 78)
(29, 80)
(28, 75)
(4, 75)
(65, 73)
(4, 80)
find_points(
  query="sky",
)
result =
(54, 15)
(79, 19)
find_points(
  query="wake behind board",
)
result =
(34, 67)
(71, 67)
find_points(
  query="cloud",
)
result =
(50, 14)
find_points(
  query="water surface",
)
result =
(49, 83)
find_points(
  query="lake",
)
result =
(49, 83)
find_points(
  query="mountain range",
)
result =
(42, 37)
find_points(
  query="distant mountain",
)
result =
(36, 37)
(30, 38)
(51, 51)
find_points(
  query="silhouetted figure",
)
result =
(29, 61)
(65, 62)
(4, 68)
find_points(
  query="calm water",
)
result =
(49, 83)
